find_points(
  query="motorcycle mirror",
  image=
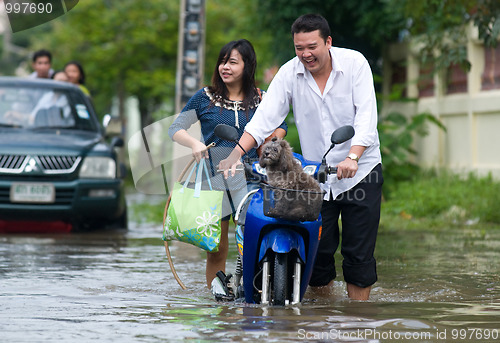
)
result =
(226, 132)
(342, 134)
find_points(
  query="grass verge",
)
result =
(442, 199)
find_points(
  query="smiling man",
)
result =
(42, 62)
(330, 87)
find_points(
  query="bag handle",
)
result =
(188, 178)
(198, 180)
(202, 166)
(206, 174)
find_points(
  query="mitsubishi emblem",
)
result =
(31, 166)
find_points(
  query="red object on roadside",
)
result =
(27, 226)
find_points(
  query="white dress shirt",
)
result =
(348, 99)
(34, 75)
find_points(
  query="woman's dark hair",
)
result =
(311, 22)
(218, 87)
(80, 68)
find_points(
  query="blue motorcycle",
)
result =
(276, 254)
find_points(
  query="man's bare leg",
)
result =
(322, 290)
(358, 293)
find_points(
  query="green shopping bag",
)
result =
(194, 215)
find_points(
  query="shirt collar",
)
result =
(336, 66)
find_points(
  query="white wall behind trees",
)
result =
(467, 103)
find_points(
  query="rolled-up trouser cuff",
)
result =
(322, 278)
(360, 274)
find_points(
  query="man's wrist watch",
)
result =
(353, 157)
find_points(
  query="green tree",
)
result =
(127, 48)
(227, 21)
(362, 25)
(369, 25)
(15, 48)
(130, 47)
(440, 26)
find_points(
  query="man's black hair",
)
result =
(42, 53)
(311, 22)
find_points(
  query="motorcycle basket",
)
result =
(291, 204)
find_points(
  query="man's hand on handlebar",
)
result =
(347, 169)
(230, 163)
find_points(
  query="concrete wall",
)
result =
(469, 107)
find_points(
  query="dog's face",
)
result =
(276, 154)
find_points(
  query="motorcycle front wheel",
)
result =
(280, 279)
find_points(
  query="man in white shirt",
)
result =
(328, 88)
(42, 62)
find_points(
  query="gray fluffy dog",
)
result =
(285, 172)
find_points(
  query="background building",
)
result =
(467, 103)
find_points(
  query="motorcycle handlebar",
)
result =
(238, 169)
(247, 167)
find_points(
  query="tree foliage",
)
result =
(368, 25)
(442, 17)
(227, 21)
(441, 27)
(363, 25)
(127, 48)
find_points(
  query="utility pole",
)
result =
(190, 70)
(191, 51)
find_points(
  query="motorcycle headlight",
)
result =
(259, 169)
(98, 167)
(309, 169)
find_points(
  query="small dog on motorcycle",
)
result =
(297, 195)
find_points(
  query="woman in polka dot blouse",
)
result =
(231, 99)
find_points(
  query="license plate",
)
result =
(32, 192)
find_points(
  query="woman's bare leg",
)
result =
(217, 260)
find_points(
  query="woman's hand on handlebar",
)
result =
(230, 163)
(347, 169)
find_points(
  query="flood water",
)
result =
(117, 286)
